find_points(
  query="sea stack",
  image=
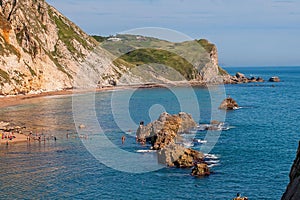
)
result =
(164, 134)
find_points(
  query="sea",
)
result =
(253, 157)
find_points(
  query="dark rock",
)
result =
(274, 79)
(229, 104)
(201, 169)
(293, 189)
(259, 79)
(240, 75)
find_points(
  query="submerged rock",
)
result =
(229, 104)
(274, 79)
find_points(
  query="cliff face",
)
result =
(293, 189)
(41, 50)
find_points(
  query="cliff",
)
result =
(153, 60)
(41, 50)
(293, 189)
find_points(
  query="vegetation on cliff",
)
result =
(189, 58)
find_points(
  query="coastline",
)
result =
(6, 101)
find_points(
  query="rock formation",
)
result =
(41, 50)
(229, 104)
(200, 169)
(163, 134)
(274, 79)
(293, 189)
(163, 131)
(241, 78)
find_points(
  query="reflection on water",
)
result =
(42, 115)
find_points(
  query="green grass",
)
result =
(66, 34)
(5, 76)
(206, 45)
(99, 38)
(157, 56)
(31, 70)
(187, 57)
(222, 71)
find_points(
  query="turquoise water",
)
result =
(254, 156)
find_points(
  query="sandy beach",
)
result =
(18, 138)
(12, 100)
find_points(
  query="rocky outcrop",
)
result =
(274, 79)
(200, 169)
(241, 78)
(41, 50)
(293, 189)
(164, 133)
(175, 155)
(165, 129)
(229, 104)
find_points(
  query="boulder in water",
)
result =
(200, 169)
(274, 79)
(229, 104)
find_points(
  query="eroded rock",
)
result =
(200, 170)
(165, 129)
(229, 104)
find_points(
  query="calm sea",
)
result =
(253, 157)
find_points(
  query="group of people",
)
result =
(39, 137)
(9, 135)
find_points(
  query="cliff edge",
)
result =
(41, 50)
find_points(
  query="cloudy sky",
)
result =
(246, 32)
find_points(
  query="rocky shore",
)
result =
(164, 135)
(241, 78)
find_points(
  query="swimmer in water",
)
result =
(123, 139)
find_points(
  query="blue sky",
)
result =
(246, 32)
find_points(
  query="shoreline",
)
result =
(13, 100)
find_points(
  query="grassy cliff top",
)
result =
(185, 57)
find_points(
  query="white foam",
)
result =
(145, 151)
(212, 165)
(211, 156)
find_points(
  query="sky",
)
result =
(246, 32)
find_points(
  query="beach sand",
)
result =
(6, 101)
(19, 138)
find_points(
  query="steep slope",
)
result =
(41, 50)
(195, 60)
(293, 189)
